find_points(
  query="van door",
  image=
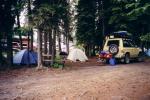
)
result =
(128, 47)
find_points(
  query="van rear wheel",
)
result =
(127, 59)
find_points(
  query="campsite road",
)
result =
(121, 82)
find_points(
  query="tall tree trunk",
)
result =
(31, 39)
(30, 21)
(59, 42)
(39, 36)
(67, 35)
(90, 48)
(53, 51)
(93, 50)
(50, 42)
(54, 39)
(45, 43)
(67, 42)
(9, 48)
(28, 49)
(0, 50)
(18, 24)
(87, 50)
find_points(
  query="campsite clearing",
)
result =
(120, 82)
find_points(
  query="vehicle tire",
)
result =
(103, 60)
(140, 57)
(113, 49)
(127, 59)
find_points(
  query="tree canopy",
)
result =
(115, 15)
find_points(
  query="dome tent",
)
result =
(77, 54)
(22, 58)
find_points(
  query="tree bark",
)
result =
(28, 50)
(45, 43)
(9, 48)
(93, 50)
(39, 36)
(50, 42)
(54, 41)
(90, 47)
(0, 50)
(59, 42)
(53, 51)
(30, 21)
(31, 40)
(67, 42)
(88, 50)
(18, 24)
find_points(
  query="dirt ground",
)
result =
(78, 81)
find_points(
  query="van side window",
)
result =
(116, 42)
(127, 43)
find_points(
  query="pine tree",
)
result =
(86, 23)
(49, 15)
